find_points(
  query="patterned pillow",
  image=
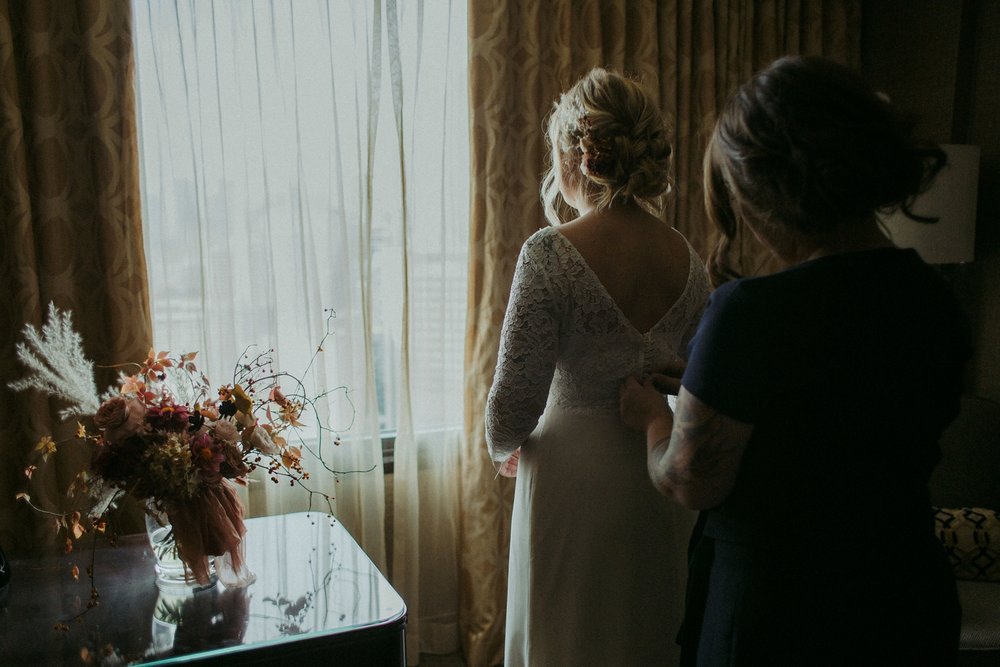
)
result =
(971, 538)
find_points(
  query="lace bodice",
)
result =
(566, 342)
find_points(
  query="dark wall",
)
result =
(940, 61)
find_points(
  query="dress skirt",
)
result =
(597, 555)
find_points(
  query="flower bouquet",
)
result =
(165, 438)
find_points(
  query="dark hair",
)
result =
(804, 146)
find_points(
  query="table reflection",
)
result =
(313, 583)
(189, 621)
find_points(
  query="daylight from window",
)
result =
(304, 169)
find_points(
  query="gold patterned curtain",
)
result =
(71, 229)
(690, 54)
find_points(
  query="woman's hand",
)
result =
(509, 467)
(642, 405)
(667, 380)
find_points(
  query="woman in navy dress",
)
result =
(808, 416)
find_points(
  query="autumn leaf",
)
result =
(187, 361)
(242, 401)
(76, 527)
(81, 430)
(156, 364)
(76, 573)
(133, 385)
(163, 360)
(46, 446)
(290, 456)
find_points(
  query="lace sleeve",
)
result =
(527, 358)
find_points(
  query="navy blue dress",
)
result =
(849, 367)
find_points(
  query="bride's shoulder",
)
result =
(545, 241)
(544, 233)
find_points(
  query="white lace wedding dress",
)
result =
(597, 555)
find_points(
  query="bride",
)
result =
(597, 563)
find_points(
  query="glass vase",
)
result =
(171, 570)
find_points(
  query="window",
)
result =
(301, 156)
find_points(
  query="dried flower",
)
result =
(233, 466)
(258, 439)
(225, 430)
(208, 456)
(168, 417)
(120, 418)
(58, 365)
(112, 413)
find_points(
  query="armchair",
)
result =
(969, 477)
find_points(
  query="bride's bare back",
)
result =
(641, 261)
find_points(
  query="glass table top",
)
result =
(312, 580)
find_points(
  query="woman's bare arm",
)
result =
(693, 456)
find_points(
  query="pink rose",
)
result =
(136, 416)
(225, 430)
(112, 413)
(120, 418)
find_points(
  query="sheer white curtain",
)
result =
(305, 157)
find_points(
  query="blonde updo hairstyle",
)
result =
(607, 137)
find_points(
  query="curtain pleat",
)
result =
(428, 91)
(71, 227)
(522, 54)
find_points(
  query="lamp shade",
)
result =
(952, 200)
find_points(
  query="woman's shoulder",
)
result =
(840, 278)
(543, 256)
(754, 299)
(540, 236)
(540, 241)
